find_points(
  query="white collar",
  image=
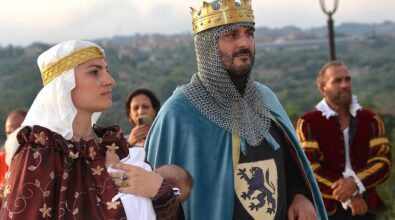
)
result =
(327, 112)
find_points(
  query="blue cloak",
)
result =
(183, 136)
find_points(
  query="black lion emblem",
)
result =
(256, 183)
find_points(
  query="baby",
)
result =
(180, 178)
(137, 207)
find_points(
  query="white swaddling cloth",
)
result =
(136, 207)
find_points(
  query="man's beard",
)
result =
(339, 100)
(242, 69)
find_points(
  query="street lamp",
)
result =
(331, 35)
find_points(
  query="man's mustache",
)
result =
(346, 90)
(242, 52)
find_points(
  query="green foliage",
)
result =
(290, 72)
(162, 63)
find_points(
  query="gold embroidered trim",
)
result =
(372, 170)
(380, 125)
(309, 144)
(299, 130)
(384, 150)
(236, 150)
(327, 196)
(378, 141)
(315, 166)
(70, 62)
(379, 159)
(324, 181)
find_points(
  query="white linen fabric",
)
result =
(136, 207)
(327, 112)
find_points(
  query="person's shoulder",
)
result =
(177, 102)
(311, 115)
(38, 135)
(109, 132)
(264, 89)
(366, 112)
(177, 97)
(268, 95)
(369, 116)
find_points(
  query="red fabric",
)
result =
(166, 206)
(3, 171)
(3, 167)
(51, 178)
(328, 160)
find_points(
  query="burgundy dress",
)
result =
(54, 178)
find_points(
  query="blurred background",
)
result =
(150, 44)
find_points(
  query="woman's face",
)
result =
(139, 106)
(92, 92)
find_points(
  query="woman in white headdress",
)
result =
(57, 169)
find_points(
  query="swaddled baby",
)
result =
(136, 207)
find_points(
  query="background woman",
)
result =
(141, 107)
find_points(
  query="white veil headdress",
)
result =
(53, 107)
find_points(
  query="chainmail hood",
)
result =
(213, 93)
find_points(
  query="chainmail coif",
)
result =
(213, 93)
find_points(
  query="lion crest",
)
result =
(255, 185)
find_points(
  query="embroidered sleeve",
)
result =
(379, 162)
(310, 145)
(29, 188)
(166, 206)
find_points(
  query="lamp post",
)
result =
(331, 36)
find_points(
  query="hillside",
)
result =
(287, 61)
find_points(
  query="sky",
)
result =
(23, 22)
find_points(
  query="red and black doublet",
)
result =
(370, 153)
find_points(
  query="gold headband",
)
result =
(70, 62)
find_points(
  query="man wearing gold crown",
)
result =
(231, 132)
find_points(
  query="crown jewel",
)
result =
(221, 12)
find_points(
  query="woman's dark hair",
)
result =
(154, 100)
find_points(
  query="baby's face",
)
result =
(111, 157)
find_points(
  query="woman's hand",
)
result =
(138, 181)
(138, 134)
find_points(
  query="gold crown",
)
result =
(221, 12)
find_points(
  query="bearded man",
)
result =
(347, 147)
(231, 132)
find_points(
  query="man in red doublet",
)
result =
(347, 147)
